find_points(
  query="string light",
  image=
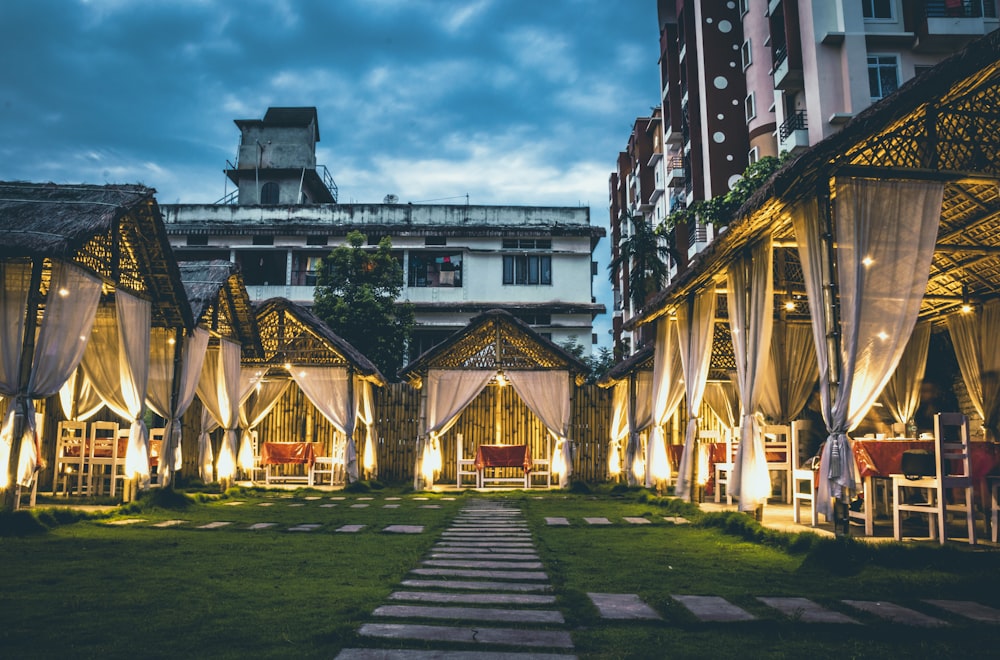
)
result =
(790, 305)
(867, 261)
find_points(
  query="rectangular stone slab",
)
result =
(360, 506)
(130, 521)
(597, 521)
(473, 598)
(214, 525)
(485, 544)
(622, 606)
(404, 529)
(469, 614)
(493, 636)
(484, 563)
(470, 585)
(461, 549)
(493, 575)
(350, 529)
(968, 609)
(257, 526)
(410, 654)
(896, 613)
(556, 520)
(713, 608)
(170, 523)
(805, 610)
(462, 556)
(637, 521)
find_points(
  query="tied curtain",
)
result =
(976, 338)
(547, 394)
(63, 333)
(448, 394)
(791, 376)
(902, 393)
(219, 391)
(116, 362)
(695, 330)
(665, 394)
(724, 400)
(160, 392)
(259, 399)
(640, 418)
(885, 233)
(750, 299)
(78, 398)
(366, 415)
(618, 432)
(331, 390)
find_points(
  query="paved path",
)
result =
(482, 576)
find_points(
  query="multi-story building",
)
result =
(458, 260)
(752, 78)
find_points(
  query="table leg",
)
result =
(869, 507)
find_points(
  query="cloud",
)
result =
(461, 17)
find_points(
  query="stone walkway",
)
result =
(483, 573)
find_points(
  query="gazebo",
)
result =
(890, 223)
(495, 347)
(334, 376)
(631, 383)
(75, 258)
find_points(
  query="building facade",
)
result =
(745, 79)
(457, 260)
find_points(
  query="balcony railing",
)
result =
(328, 181)
(779, 53)
(966, 9)
(795, 122)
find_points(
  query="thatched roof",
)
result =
(219, 301)
(943, 125)
(114, 231)
(494, 339)
(293, 334)
(641, 360)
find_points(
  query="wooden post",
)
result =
(23, 377)
(421, 437)
(633, 384)
(175, 392)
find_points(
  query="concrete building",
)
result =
(745, 79)
(458, 261)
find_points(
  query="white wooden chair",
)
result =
(803, 479)
(704, 455)
(331, 467)
(777, 442)
(954, 472)
(156, 451)
(71, 456)
(464, 467)
(542, 467)
(102, 458)
(724, 471)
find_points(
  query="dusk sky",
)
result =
(510, 101)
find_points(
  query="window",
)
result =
(527, 269)
(883, 75)
(744, 7)
(263, 267)
(750, 106)
(435, 240)
(878, 10)
(269, 194)
(263, 240)
(527, 244)
(746, 55)
(534, 319)
(316, 240)
(197, 240)
(753, 155)
(435, 269)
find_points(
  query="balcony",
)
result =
(942, 28)
(700, 237)
(675, 172)
(786, 77)
(793, 134)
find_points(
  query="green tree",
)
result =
(598, 364)
(645, 257)
(356, 295)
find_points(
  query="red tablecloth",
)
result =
(287, 453)
(880, 458)
(503, 456)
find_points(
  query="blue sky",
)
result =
(510, 101)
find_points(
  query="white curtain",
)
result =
(206, 457)
(618, 432)
(724, 400)
(885, 233)
(976, 338)
(330, 390)
(81, 404)
(134, 321)
(65, 327)
(750, 298)
(547, 394)
(695, 330)
(366, 416)
(902, 393)
(219, 391)
(792, 373)
(159, 394)
(665, 395)
(256, 405)
(448, 394)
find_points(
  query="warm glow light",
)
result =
(614, 463)
(63, 292)
(427, 468)
(882, 335)
(501, 379)
(639, 469)
(288, 366)
(659, 466)
(302, 374)
(171, 341)
(790, 305)
(966, 308)
(368, 456)
(867, 261)
(558, 464)
(701, 478)
(226, 466)
(245, 458)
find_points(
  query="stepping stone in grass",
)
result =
(409, 654)
(404, 529)
(233, 503)
(469, 614)
(125, 521)
(637, 521)
(338, 498)
(170, 523)
(266, 504)
(365, 498)
(677, 520)
(968, 609)
(327, 506)
(257, 526)
(392, 499)
(622, 606)
(456, 563)
(304, 528)
(896, 613)
(488, 574)
(360, 506)
(485, 552)
(597, 521)
(390, 506)
(430, 506)
(556, 521)
(713, 608)
(421, 498)
(312, 498)
(493, 636)
(350, 529)
(447, 499)
(297, 504)
(470, 585)
(460, 556)
(805, 610)
(214, 525)
(473, 598)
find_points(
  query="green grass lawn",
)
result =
(94, 589)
